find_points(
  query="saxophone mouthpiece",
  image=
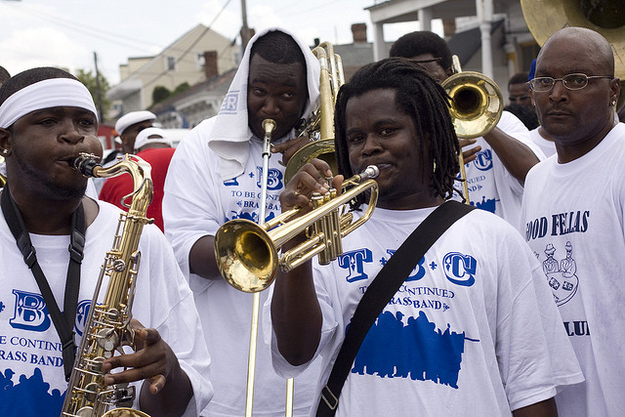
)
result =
(85, 163)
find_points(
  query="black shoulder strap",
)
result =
(63, 322)
(380, 292)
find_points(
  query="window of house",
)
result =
(170, 63)
(200, 61)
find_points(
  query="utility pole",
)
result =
(245, 30)
(98, 88)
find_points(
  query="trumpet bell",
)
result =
(246, 256)
(477, 103)
(544, 17)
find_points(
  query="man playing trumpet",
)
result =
(472, 329)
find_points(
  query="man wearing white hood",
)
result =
(215, 176)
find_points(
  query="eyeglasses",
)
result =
(572, 82)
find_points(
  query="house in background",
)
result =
(489, 36)
(203, 100)
(184, 61)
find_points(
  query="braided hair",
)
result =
(417, 95)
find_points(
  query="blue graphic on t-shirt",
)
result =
(417, 350)
(231, 183)
(488, 205)
(30, 313)
(484, 160)
(274, 178)
(82, 313)
(250, 216)
(29, 397)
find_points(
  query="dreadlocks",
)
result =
(419, 96)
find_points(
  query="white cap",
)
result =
(143, 138)
(131, 118)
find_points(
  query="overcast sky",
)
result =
(66, 33)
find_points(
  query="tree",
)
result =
(88, 78)
(159, 94)
(182, 87)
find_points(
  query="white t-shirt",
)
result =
(547, 146)
(466, 334)
(197, 202)
(491, 186)
(573, 219)
(32, 381)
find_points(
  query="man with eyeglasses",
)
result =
(496, 164)
(575, 203)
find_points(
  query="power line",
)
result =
(97, 33)
(162, 74)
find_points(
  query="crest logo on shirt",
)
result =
(354, 262)
(30, 313)
(82, 311)
(417, 272)
(231, 183)
(561, 275)
(484, 160)
(460, 269)
(274, 178)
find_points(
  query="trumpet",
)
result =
(247, 253)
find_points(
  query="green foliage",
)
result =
(88, 78)
(159, 94)
(182, 87)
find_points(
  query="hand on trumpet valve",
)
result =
(469, 154)
(314, 177)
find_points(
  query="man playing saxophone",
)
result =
(47, 117)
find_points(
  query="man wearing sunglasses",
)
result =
(575, 203)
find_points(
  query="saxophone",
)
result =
(107, 327)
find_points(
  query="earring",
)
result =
(4, 151)
(434, 165)
(613, 103)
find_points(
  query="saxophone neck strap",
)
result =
(63, 322)
(380, 292)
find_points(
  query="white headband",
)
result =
(44, 94)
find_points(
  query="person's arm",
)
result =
(545, 408)
(295, 311)
(166, 390)
(202, 259)
(516, 157)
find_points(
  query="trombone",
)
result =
(476, 107)
(3, 179)
(320, 126)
